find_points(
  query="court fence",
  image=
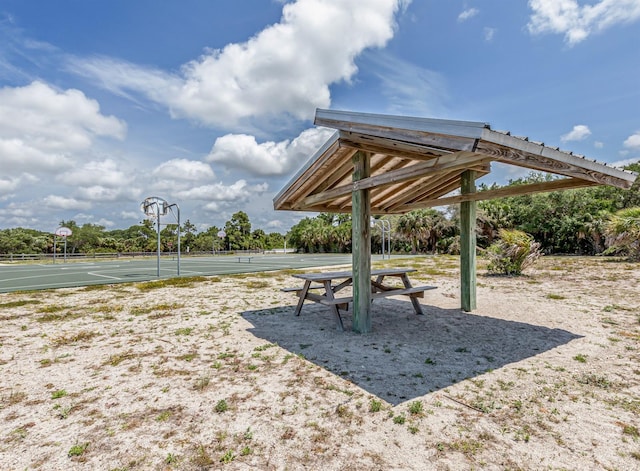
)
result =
(48, 257)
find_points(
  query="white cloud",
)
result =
(267, 158)
(411, 89)
(625, 162)
(83, 218)
(19, 156)
(61, 202)
(577, 22)
(633, 141)
(285, 69)
(578, 133)
(43, 130)
(236, 192)
(489, 33)
(135, 216)
(10, 184)
(55, 121)
(598, 145)
(468, 13)
(99, 193)
(183, 169)
(104, 173)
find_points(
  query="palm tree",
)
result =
(623, 232)
(412, 226)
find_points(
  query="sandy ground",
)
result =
(218, 374)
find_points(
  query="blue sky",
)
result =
(209, 104)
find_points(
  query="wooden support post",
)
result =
(468, 244)
(361, 246)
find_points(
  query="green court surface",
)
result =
(18, 277)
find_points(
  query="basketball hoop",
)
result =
(154, 206)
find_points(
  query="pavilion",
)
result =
(380, 164)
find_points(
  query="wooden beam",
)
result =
(468, 244)
(447, 163)
(553, 161)
(515, 190)
(402, 149)
(361, 247)
(307, 180)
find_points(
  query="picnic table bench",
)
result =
(333, 282)
(246, 258)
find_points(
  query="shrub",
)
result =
(512, 253)
(623, 233)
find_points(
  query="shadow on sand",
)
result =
(406, 356)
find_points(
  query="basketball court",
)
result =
(19, 277)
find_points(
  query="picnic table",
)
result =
(323, 287)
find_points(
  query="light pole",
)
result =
(385, 228)
(170, 207)
(154, 207)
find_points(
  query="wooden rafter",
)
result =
(447, 163)
(561, 184)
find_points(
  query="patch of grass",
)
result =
(51, 308)
(429, 361)
(466, 447)
(416, 408)
(117, 358)
(594, 380)
(555, 296)
(625, 404)
(139, 310)
(399, 419)
(82, 336)
(78, 449)
(221, 406)
(375, 405)
(19, 303)
(55, 315)
(257, 284)
(264, 347)
(616, 307)
(631, 431)
(188, 356)
(228, 457)
(180, 282)
(184, 331)
(202, 459)
(14, 398)
(580, 358)
(58, 394)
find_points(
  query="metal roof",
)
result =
(418, 162)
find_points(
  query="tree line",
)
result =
(94, 238)
(587, 221)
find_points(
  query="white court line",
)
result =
(83, 267)
(104, 276)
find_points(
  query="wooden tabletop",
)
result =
(349, 274)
